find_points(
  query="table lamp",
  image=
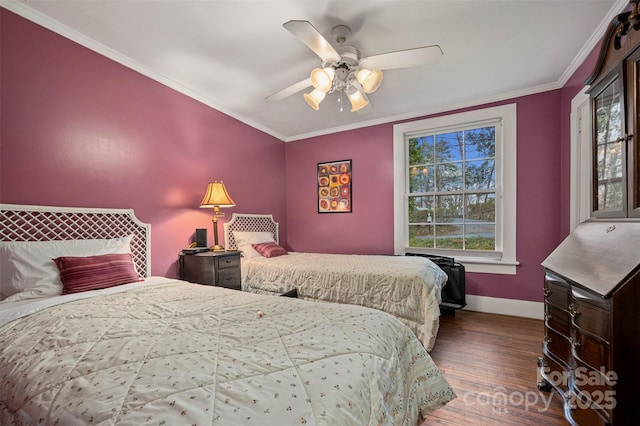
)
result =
(216, 197)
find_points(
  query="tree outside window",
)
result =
(452, 191)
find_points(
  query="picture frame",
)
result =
(334, 182)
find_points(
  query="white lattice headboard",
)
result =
(42, 223)
(248, 223)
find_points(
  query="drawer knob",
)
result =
(547, 339)
(547, 292)
(542, 362)
(573, 311)
(547, 316)
(574, 342)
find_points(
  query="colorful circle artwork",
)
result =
(334, 187)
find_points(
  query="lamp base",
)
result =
(216, 246)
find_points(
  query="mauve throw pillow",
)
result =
(95, 272)
(269, 249)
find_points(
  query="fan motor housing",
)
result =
(349, 57)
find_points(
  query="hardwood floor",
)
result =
(490, 362)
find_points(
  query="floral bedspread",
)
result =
(404, 286)
(187, 354)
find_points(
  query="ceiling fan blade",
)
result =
(307, 34)
(291, 90)
(403, 58)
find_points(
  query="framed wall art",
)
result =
(334, 187)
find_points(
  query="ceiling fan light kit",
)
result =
(342, 69)
(329, 80)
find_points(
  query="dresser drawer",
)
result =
(558, 345)
(591, 350)
(584, 415)
(228, 262)
(595, 386)
(556, 291)
(591, 315)
(558, 319)
(555, 372)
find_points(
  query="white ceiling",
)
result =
(232, 54)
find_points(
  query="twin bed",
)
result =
(164, 351)
(406, 287)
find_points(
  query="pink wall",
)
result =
(369, 228)
(77, 129)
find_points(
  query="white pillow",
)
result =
(28, 267)
(245, 239)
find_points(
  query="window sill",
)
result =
(482, 263)
(488, 266)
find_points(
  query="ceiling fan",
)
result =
(343, 70)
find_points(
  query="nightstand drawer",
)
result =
(229, 278)
(225, 262)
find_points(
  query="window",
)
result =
(609, 148)
(615, 151)
(451, 199)
(455, 188)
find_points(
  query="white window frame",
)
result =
(581, 160)
(504, 261)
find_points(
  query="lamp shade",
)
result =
(314, 98)
(358, 100)
(216, 196)
(322, 78)
(370, 80)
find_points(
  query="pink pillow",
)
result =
(269, 249)
(95, 272)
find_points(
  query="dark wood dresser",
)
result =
(591, 348)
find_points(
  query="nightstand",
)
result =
(219, 268)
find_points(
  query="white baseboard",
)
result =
(495, 305)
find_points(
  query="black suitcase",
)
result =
(453, 293)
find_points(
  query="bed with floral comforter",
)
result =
(169, 352)
(407, 287)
